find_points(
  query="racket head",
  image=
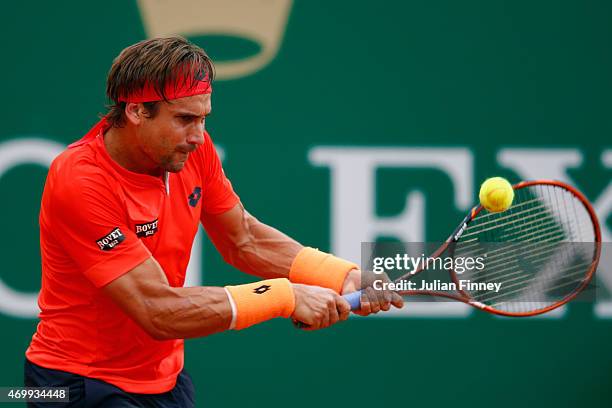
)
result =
(547, 218)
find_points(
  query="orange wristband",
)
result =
(313, 267)
(260, 301)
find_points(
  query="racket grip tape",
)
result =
(353, 299)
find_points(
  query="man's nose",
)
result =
(196, 135)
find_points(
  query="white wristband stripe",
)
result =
(233, 305)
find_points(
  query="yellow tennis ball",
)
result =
(496, 194)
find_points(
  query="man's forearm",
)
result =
(190, 312)
(167, 312)
(269, 254)
(258, 249)
(261, 250)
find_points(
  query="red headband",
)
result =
(181, 88)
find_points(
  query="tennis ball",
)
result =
(496, 194)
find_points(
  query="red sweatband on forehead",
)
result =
(179, 89)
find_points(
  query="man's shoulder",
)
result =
(74, 155)
(78, 168)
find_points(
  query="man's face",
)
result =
(175, 131)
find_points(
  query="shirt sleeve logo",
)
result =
(147, 229)
(111, 240)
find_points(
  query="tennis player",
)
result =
(119, 214)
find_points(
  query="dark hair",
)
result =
(159, 62)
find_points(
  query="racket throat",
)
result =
(477, 304)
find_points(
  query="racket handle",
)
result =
(353, 299)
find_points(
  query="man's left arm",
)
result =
(258, 249)
(249, 245)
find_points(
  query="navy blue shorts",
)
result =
(89, 392)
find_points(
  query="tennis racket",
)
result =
(543, 251)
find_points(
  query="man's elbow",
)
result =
(159, 334)
(236, 254)
(157, 322)
(155, 330)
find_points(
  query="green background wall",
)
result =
(480, 75)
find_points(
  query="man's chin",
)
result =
(174, 167)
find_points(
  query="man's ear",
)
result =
(134, 113)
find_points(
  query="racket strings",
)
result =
(509, 219)
(534, 250)
(506, 249)
(513, 286)
(510, 260)
(508, 252)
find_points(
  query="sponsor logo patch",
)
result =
(147, 229)
(111, 240)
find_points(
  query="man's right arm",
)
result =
(166, 312)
